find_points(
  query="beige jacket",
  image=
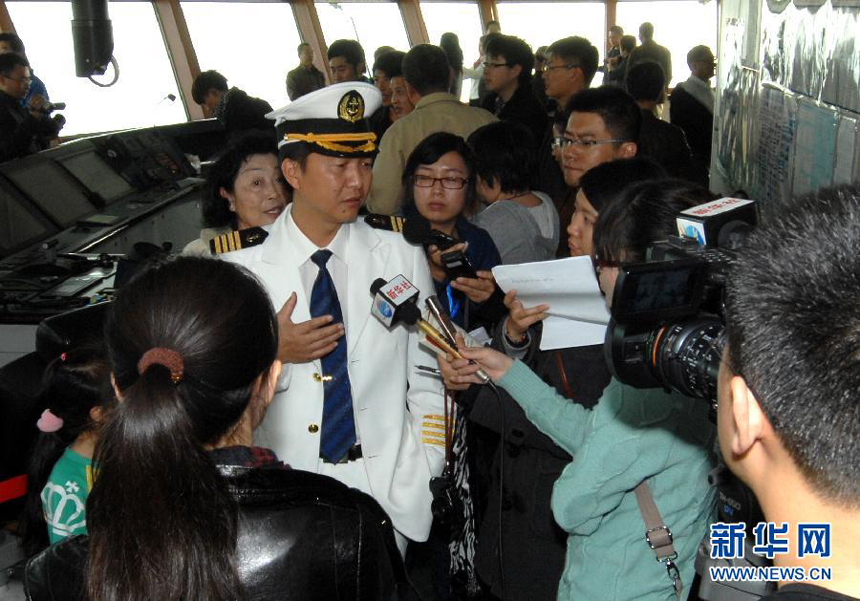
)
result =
(439, 111)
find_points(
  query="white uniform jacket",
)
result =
(401, 434)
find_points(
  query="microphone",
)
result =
(417, 230)
(722, 223)
(53, 106)
(402, 306)
(391, 299)
(445, 324)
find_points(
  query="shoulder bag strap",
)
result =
(658, 536)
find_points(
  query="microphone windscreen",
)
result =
(417, 229)
(409, 313)
(377, 284)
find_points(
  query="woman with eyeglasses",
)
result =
(439, 185)
(629, 437)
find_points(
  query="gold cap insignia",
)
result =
(351, 107)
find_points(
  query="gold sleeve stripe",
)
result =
(434, 426)
(440, 443)
(432, 433)
(440, 418)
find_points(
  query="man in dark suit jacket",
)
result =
(663, 143)
(305, 78)
(649, 50)
(508, 75)
(692, 104)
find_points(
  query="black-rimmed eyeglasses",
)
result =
(567, 66)
(449, 183)
(565, 142)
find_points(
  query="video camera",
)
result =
(666, 328)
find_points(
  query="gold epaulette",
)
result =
(237, 240)
(392, 223)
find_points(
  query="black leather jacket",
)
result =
(301, 536)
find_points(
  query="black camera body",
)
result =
(446, 506)
(666, 328)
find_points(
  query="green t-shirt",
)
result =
(64, 498)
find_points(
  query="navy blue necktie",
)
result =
(338, 423)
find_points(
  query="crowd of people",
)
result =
(253, 427)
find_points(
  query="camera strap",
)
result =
(449, 434)
(568, 391)
(658, 536)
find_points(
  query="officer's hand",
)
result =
(477, 289)
(308, 340)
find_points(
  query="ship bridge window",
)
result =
(461, 18)
(373, 24)
(141, 96)
(252, 44)
(678, 25)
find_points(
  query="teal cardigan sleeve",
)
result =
(630, 435)
(564, 421)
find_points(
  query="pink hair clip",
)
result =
(49, 422)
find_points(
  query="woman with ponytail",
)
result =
(183, 507)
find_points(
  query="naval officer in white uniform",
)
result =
(352, 404)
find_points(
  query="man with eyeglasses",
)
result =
(23, 131)
(508, 75)
(603, 125)
(570, 67)
(11, 42)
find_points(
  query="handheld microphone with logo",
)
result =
(723, 223)
(390, 299)
(397, 301)
(417, 230)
